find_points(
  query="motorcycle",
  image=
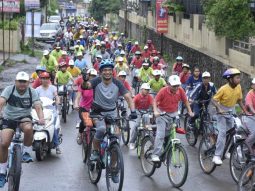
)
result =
(43, 134)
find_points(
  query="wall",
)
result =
(15, 41)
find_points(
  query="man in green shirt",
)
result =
(57, 52)
(157, 82)
(145, 73)
(63, 76)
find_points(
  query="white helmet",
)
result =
(136, 43)
(253, 81)
(145, 64)
(71, 63)
(206, 74)
(179, 58)
(145, 86)
(122, 52)
(45, 52)
(92, 71)
(22, 76)
(99, 56)
(156, 72)
(145, 47)
(174, 80)
(122, 73)
(120, 59)
(64, 52)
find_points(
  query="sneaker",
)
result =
(79, 139)
(2, 180)
(155, 158)
(217, 160)
(58, 151)
(131, 146)
(115, 178)
(94, 156)
(70, 102)
(27, 158)
(227, 155)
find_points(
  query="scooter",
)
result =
(43, 134)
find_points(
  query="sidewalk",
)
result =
(19, 58)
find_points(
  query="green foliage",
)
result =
(13, 25)
(173, 7)
(98, 8)
(230, 18)
(52, 7)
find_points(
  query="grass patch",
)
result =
(1, 68)
(10, 63)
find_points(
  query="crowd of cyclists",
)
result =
(119, 67)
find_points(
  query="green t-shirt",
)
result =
(50, 63)
(145, 75)
(63, 78)
(157, 85)
(13, 112)
(56, 54)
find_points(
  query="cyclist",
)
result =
(157, 82)
(184, 75)
(177, 67)
(129, 47)
(50, 63)
(63, 76)
(50, 91)
(153, 54)
(137, 60)
(155, 64)
(97, 62)
(151, 47)
(167, 101)
(16, 101)
(123, 55)
(57, 52)
(80, 62)
(92, 73)
(121, 66)
(225, 100)
(146, 53)
(38, 70)
(117, 52)
(249, 120)
(142, 101)
(122, 77)
(83, 102)
(135, 48)
(95, 51)
(145, 73)
(106, 91)
(103, 53)
(75, 71)
(202, 94)
(194, 79)
(64, 57)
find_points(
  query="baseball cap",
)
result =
(22, 76)
(45, 52)
(145, 86)
(174, 80)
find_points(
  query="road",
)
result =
(67, 172)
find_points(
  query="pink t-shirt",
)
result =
(86, 98)
(250, 99)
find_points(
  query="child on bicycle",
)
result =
(167, 101)
(225, 100)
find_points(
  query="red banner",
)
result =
(161, 17)
(10, 6)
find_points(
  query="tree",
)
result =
(98, 8)
(230, 18)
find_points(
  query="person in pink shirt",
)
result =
(137, 60)
(185, 74)
(146, 53)
(64, 58)
(83, 102)
(156, 65)
(135, 48)
(122, 77)
(97, 62)
(249, 121)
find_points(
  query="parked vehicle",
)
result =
(49, 31)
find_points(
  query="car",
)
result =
(54, 19)
(49, 32)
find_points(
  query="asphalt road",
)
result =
(67, 172)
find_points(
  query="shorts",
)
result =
(84, 116)
(13, 124)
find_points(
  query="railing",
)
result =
(242, 46)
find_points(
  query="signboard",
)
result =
(32, 4)
(161, 17)
(10, 6)
(37, 24)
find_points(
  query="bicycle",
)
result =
(192, 132)
(173, 156)
(123, 122)
(207, 148)
(15, 158)
(110, 158)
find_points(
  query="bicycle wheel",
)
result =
(125, 131)
(15, 169)
(64, 108)
(206, 153)
(139, 142)
(146, 151)
(177, 165)
(114, 167)
(247, 178)
(191, 135)
(87, 146)
(238, 160)
(95, 171)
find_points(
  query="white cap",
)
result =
(145, 47)
(76, 46)
(136, 42)
(71, 63)
(64, 52)
(145, 64)
(45, 52)
(98, 44)
(119, 45)
(253, 81)
(206, 74)
(156, 72)
(122, 73)
(122, 52)
(120, 59)
(92, 71)
(185, 65)
(81, 36)
(79, 54)
(22, 76)
(102, 42)
(145, 86)
(99, 56)
(106, 40)
(179, 58)
(174, 80)
(78, 41)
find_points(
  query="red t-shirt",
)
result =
(146, 54)
(37, 83)
(78, 81)
(96, 66)
(143, 102)
(135, 48)
(250, 99)
(126, 85)
(156, 67)
(108, 45)
(151, 47)
(184, 77)
(64, 60)
(137, 62)
(168, 101)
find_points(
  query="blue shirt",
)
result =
(81, 64)
(193, 82)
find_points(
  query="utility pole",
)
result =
(125, 18)
(3, 30)
(33, 33)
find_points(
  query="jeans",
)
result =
(248, 122)
(56, 128)
(163, 123)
